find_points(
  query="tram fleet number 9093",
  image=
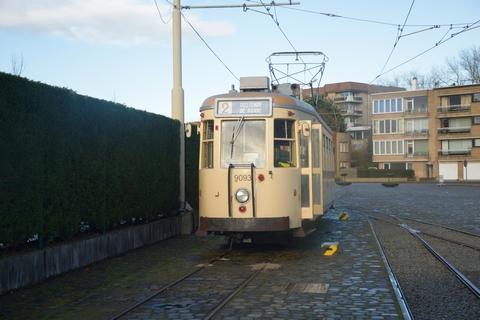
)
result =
(242, 177)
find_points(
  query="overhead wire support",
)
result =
(334, 15)
(244, 5)
(399, 36)
(467, 28)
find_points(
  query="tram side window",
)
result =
(207, 147)
(284, 143)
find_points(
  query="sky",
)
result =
(121, 50)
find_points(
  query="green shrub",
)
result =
(68, 160)
(393, 173)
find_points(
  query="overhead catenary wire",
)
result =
(334, 15)
(442, 41)
(208, 46)
(399, 36)
(165, 21)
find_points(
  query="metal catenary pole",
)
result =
(178, 94)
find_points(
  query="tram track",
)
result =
(413, 263)
(213, 309)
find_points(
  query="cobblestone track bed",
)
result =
(196, 296)
(358, 286)
(444, 233)
(432, 291)
(453, 206)
(466, 260)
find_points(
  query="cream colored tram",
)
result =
(266, 164)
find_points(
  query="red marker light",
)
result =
(261, 177)
(216, 127)
(242, 209)
(291, 113)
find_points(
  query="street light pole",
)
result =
(177, 92)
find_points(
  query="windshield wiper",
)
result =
(235, 133)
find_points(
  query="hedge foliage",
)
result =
(381, 173)
(70, 162)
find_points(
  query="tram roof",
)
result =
(279, 101)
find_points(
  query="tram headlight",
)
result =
(242, 195)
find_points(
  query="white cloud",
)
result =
(117, 22)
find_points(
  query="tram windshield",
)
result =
(243, 142)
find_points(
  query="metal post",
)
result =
(177, 92)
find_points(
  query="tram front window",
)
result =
(243, 142)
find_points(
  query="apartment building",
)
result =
(400, 131)
(343, 156)
(455, 127)
(353, 100)
(434, 132)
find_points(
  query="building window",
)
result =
(343, 146)
(387, 105)
(207, 144)
(476, 120)
(455, 100)
(410, 105)
(388, 147)
(476, 142)
(388, 126)
(476, 97)
(343, 165)
(409, 166)
(386, 166)
(284, 143)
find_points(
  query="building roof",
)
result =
(353, 86)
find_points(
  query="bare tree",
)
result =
(459, 70)
(469, 61)
(17, 65)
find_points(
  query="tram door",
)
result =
(311, 169)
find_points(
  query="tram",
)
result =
(266, 163)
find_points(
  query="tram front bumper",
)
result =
(243, 224)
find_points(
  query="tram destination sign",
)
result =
(244, 107)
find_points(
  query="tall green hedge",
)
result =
(70, 162)
(385, 173)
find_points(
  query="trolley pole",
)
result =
(177, 92)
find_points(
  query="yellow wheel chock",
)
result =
(330, 248)
(343, 216)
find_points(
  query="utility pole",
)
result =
(177, 92)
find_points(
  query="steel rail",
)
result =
(429, 234)
(397, 289)
(445, 227)
(227, 299)
(164, 288)
(460, 276)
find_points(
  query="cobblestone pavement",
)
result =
(457, 206)
(301, 283)
(431, 290)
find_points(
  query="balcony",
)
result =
(348, 99)
(417, 155)
(351, 113)
(417, 133)
(449, 130)
(453, 108)
(416, 112)
(455, 152)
